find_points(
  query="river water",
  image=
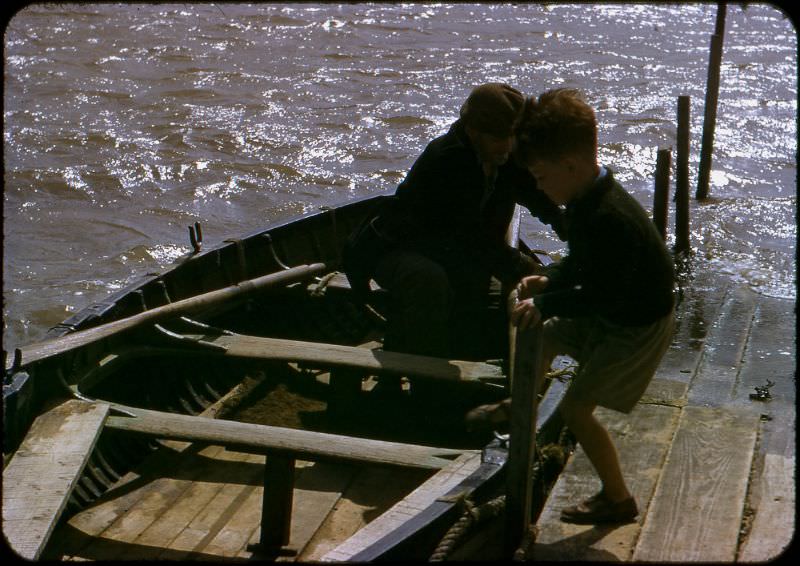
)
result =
(125, 123)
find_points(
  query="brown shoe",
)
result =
(598, 509)
(487, 417)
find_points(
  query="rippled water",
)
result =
(125, 123)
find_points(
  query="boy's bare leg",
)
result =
(597, 444)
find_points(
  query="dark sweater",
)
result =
(443, 210)
(617, 266)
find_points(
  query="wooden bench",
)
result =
(45, 468)
(282, 446)
(331, 356)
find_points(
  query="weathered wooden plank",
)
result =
(774, 524)
(642, 439)
(217, 469)
(42, 473)
(335, 355)
(317, 491)
(697, 508)
(716, 377)
(417, 501)
(697, 309)
(526, 380)
(230, 495)
(264, 438)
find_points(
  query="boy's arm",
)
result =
(589, 279)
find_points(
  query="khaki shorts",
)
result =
(615, 363)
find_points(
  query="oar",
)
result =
(182, 307)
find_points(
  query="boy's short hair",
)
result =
(559, 123)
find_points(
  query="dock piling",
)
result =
(682, 178)
(661, 193)
(710, 113)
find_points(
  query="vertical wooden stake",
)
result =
(661, 193)
(682, 178)
(276, 511)
(526, 382)
(712, 97)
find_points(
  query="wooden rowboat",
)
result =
(250, 355)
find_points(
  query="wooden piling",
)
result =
(661, 193)
(710, 113)
(682, 178)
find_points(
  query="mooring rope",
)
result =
(472, 516)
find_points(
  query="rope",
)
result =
(318, 290)
(471, 517)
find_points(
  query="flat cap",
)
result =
(493, 108)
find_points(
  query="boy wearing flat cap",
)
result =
(438, 241)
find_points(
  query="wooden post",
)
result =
(712, 97)
(526, 382)
(661, 193)
(276, 511)
(682, 178)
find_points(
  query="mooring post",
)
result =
(526, 382)
(661, 192)
(712, 97)
(682, 178)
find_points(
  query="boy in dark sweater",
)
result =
(608, 304)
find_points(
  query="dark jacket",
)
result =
(617, 267)
(443, 210)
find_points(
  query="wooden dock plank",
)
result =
(642, 438)
(697, 509)
(42, 473)
(418, 500)
(698, 308)
(774, 523)
(715, 381)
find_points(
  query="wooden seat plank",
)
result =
(697, 508)
(335, 355)
(42, 473)
(265, 438)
